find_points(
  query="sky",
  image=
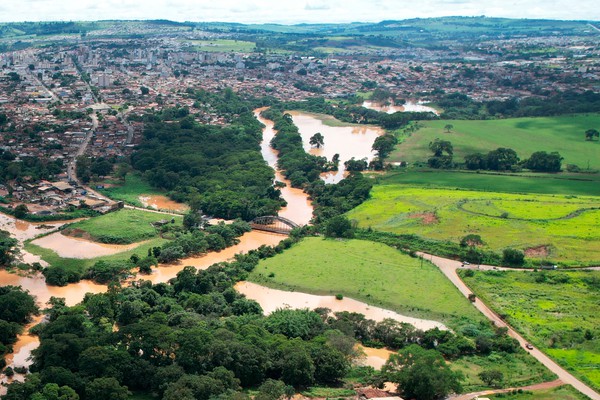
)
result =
(291, 11)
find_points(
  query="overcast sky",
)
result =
(290, 11)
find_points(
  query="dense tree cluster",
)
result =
(8, 249)
(460, 106)
(33, 168)
(541, 161)
(16, 309)
(217, 169)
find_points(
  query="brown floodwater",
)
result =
(375, 358)
(299, 209)
(348, 141)
(160, 202)
(273, 299)
(72, 247)
(249, 241)
(409, 106)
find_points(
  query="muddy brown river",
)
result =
(299, 209)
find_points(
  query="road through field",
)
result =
(449, 267)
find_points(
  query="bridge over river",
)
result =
(273, 223)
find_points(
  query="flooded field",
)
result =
(72, 247)
(409, 106)
(347, 141)
(272, 299)
(159, 202)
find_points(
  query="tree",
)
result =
(317, 140)
(384, 145)
(339, 226)
(513, 257)
(502, 159)
(448, 127)
(21, 211)
(475, 161)
(144, 90)
(421, 374)
(541, 161)
(439, 147)
(492, 377)
(8, 249)
(106, 388)
(591, 133)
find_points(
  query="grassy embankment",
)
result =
(559, 228)
(382, 276)
(130, 190)
(223, 45)
(557, 311)
(366, 271)
(124, 226)
(564, 134)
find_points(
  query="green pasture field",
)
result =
(371, 272)
(519, 369)
(224, 45)
(568, 184)
(558, 311)
(130, 190)
(564, 134)
(566, 227)
(565, 392)
(122, 227)
(81, 265)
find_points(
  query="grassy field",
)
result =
(120, 227)
(541, 225)
(519, 369)
(557, 311)
(565, 392)
(366, 271)
(569, 184)
(564, 134)
(81, 265)
(130, 191)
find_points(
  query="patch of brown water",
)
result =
(76, 247)
(347, 141)
(273, 299)
(160, 202)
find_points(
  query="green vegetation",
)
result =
(561, 228)
(565, 392)
(525, 135)
(120, 227)
(16, 308)
(371, 272)
(556, 311)
(8, 249)
(566, 184)
(130, 190)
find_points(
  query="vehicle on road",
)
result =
(529, 346)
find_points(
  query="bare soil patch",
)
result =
(427, 218)
(538, 251)
(77, 233)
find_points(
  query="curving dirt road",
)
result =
(449, 267)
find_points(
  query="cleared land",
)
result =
(564, 134)
(120, 227)
(557, 311)
(366, 271)
(560, 228)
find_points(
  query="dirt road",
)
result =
(539, 386)
(449, 267)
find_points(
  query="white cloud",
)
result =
(282, 11)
